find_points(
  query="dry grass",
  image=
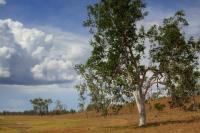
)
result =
(167, 121)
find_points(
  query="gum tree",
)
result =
(115, 72)
(177, 58)
(41, 106)
(118, 47)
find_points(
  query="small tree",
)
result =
(59, 107)
(159, 106)
(41, 106)
(177, 58)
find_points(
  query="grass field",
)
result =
(167, 121)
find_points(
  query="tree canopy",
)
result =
(177, 57)
(41, 106)
(115, 73)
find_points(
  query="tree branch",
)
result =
(153, 80)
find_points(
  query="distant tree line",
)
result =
(41, 107)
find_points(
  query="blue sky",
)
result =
(41, 40)
(65, 14)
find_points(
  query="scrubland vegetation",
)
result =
(169, 120)
(119, 83)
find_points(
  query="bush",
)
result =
(91, 107)
(159, 106)
(72, 111)
(193, 107)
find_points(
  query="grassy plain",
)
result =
(167, 121)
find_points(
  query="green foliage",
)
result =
(159, 106)
(114, 71)
(113, 25)
(116, 108)
(177, 57)
(91, 107)
(41, 106)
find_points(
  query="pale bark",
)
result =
(140, 102)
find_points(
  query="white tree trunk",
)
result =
(140, 102)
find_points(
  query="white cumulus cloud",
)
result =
(2, 2)
(6, 52)
(28, 38)
(4, 72)
(33, 56)
(54, 69)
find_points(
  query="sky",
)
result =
(42, 40)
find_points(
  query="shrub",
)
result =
(159, 106)
(193, 107)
